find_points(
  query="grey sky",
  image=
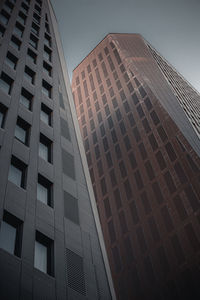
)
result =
(171, 26)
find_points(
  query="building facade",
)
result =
(139, 121)
(51, 244)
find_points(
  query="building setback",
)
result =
(51, 245)
(139, 121)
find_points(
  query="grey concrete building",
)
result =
(51, 245)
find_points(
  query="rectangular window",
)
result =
(47, 68)
(47, 27)
(24, 8)
(44, 191)
(46, 114)
(21, 18)
(45, 148)
(2, 30)
(26, 98)
(35, 29)
(22, 131)
(17, 172)
(36, 18)
(47, 40)
(9, 6)
(4, 17)
(6, 83)
(32, 55)
(46, 88)
(37, 8)
(33, 41)
(3, 111)
(47, 53)
(15, 43)
(11, 60)
(43, 258)
(18, 29)
(71, 208)
(29, 74)
(11, 234)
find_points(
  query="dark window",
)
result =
(167, 219)
(135, 99)
(17, 172)
(113, 178)
(117, 197)
(170, 183)
(108, 82)
(154, 229)
(142, 92)
(127, 143)
(141, 239)
(131, 119)
(153, 142)
(104, 99)
(29, 74)
(36, 18)
(6, 83)
(92, 125)
(105, 72)
(122, 169)
(122, 95)
(154, 117)
(32, 55)
(85, 89)
(157, 192)
(110, 122)
(180, 173)
(47, 40)
(88, 68)
(134, 213)
(47, 68)
(46, 88)
(130, 87)
(122, 222)
(11, 234)
(119, 86)
(94, 63)
(44, 191)
(103, 186)
(99, 116)
(136, 82)
(43, 258)
(33, 41)
(15, 42)
(132, 160)
(107, 207)
(83, 74)
(138, 180)
(94, 137)
(114, 136)
(47, 53)
(45, 148)
(37, 8)
(100, 168)
(46, 114)
(145, 202)
(112, 67)
(109, 160)
(2, 31)
(117, 259)
(90, 115)
(129, 250)
(180, 208)
(111, 92)
(192, 198)
(126, 78)
(117, 56)
(3, 111)
(35, 28)
(122, 68)
(192, 163)
(160, 160)
(148, 103)
(71, 208)
(126, 107)
(140, 111)
(107, 110)
(91, 82)
(122, 127)
(118, 151)
(150, 171)
(146, 126)
(98, 76)
(162, 133)
(115, 75)
(61, 100)
(24, 8)
(136, 134)
(118, 114)
(114, 102)
(142, 150)
(89, 159)
(11, 60)
(111, 230)
(9, 6)
(4, 17)
(102, 129)
(170, 151)
(128, 189)
(22, 130)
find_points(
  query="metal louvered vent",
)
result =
(75, 272)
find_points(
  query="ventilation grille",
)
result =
(75, 272)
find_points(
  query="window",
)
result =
(44, 191)
(170, 151)
(24, 8)
(22, 131)
(26, 98)
(3, 110)
(154, 117)
(36, 18)
(46, 88)
(148, 103)
(33, 41)
(2, 30)
(9, 6)
(29, 74)
(11, 234)
(18, 29)
(21, 18)
(6, 83)
(32, 55)
(4, 17)
(11, 60)
(15, 43)
(47, 53)
(37, 8)
(71, 208)
(45, 148)
(43, 259)
(35, 28)
(17, 172)
(47, 27)
(45, 114)
(47, 68)
(47, 40)
(143, 151)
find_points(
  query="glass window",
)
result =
(45, 146)
(45, 114)
(36, 18)
(33, 41)
(4, 17)
(35, 28)
(2, 30)
(32, 55)
(9, 6)
(6, 83)
(24, 8)
(47, 68)
(46, 88)
(22, 131)
(47, 53)
(21, 18)
(29, 74)
(44, 190)
(26, 98)
(15, 43)
(11, 60)
(47, 40)
(18, 29)
(3, 110)
(17, 172)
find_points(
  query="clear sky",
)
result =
(171, 26)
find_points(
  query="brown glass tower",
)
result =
(139, 120)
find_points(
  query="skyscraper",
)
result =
(51, 245)
(139, 121)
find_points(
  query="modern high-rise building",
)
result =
(139, 120)
(51, 244)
